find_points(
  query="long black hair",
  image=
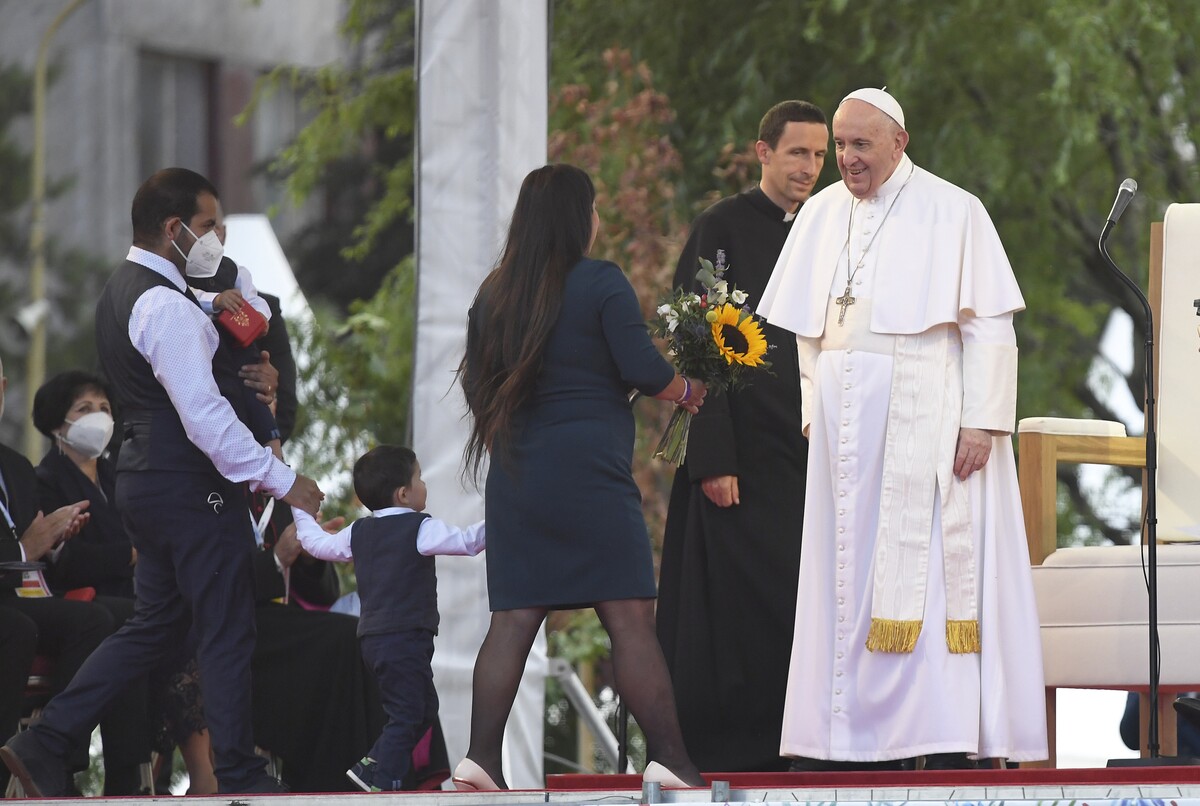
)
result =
(519, 301)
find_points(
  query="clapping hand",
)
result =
(47, 531)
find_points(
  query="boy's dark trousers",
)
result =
(403, 666)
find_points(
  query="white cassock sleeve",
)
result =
(989, 373)
(807, 350)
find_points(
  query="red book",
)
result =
(245, 326)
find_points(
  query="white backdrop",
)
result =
(481, 127)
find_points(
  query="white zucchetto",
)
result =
(880, 99)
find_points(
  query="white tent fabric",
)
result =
(481, 126)
(250, 241)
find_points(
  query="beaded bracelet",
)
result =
(687, 391)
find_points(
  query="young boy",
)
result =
(397, 586)
(229, 289)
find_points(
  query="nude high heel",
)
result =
(658, 774)
(470, 777)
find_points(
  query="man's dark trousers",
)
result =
(195, 546)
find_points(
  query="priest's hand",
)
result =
(721, 490)
(974, 448)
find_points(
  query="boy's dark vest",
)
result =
(153, 436)
(397, 586)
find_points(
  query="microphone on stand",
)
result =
(1125, 195)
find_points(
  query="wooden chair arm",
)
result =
(1037, 477)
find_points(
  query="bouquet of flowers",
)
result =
(711, 337)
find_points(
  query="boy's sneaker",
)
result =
(370, 778)
(363, 774)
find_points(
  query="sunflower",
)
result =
(739, 338)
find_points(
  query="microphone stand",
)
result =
(1151, 532)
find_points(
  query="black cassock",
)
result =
(727, 592)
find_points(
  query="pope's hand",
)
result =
(974, 448)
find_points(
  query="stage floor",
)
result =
(1176, 786)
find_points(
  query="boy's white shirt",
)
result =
(244, 284)
(433, 537)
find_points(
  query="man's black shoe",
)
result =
(1188, 708)
(41, 773)
(949, 761)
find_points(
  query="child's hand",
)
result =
(230, 300)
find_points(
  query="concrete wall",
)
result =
(93, 105)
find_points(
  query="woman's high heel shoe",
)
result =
(658, 774)
(469, 776)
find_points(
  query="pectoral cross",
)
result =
(845, 300)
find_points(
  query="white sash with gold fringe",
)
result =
(924, 414)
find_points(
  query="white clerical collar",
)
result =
(157, 264)
(892, 186)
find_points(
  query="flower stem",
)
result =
(672, 448)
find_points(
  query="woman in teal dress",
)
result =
(555, 343)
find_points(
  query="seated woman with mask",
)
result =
(74, 410)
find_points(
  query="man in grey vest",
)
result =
(184, 460)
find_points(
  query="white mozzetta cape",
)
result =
(938, 255)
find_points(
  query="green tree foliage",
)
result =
(1039, 107)
(355, 155)
(356, 264)
(356, 381)
(616, 128)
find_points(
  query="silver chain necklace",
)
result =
(846, 300)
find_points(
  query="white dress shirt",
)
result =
(178, 340)
(433, 536)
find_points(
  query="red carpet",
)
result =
(1118, 776)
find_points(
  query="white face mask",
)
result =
(89, 434)
(205, 255)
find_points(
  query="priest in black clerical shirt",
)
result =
(731, 553)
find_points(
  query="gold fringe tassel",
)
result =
(890, 635)
(962, 637)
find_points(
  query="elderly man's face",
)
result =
(869, 146)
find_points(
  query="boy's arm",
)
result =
(205, 298)
(245, 284)
(318, 542)
(439, 537)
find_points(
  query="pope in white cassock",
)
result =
(916, 627)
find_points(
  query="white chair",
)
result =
(1092, 601)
